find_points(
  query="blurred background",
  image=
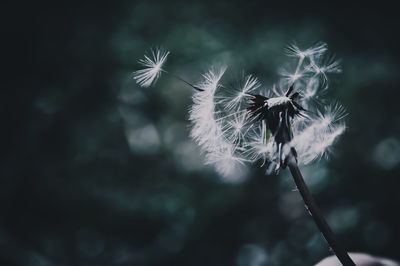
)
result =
(97, 171)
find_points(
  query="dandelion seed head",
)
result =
(152, 64)
(245, 124)
(333, 113)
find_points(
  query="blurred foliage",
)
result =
(97, 171)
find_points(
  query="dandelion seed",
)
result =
(294, 51)
(206, 131)
(236, 128)
(250, 84)
(323, 66)
(332, 113)
(152, 67)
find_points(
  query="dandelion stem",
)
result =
(315, 212)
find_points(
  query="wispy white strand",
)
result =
(323, 66)
(317, 49)
(152, 67)
(249, 85)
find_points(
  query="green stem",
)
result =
(316, 214)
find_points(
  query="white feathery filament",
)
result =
(152, 67)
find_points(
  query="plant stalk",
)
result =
(316, 214)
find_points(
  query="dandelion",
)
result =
(273, 126)
(152, 67)
(280, 127)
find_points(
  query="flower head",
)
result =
(152, 64)
(234, 125)
(253, 123)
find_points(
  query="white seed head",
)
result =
(230, 135)
(152, 64)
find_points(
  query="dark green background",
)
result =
(97, 171)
